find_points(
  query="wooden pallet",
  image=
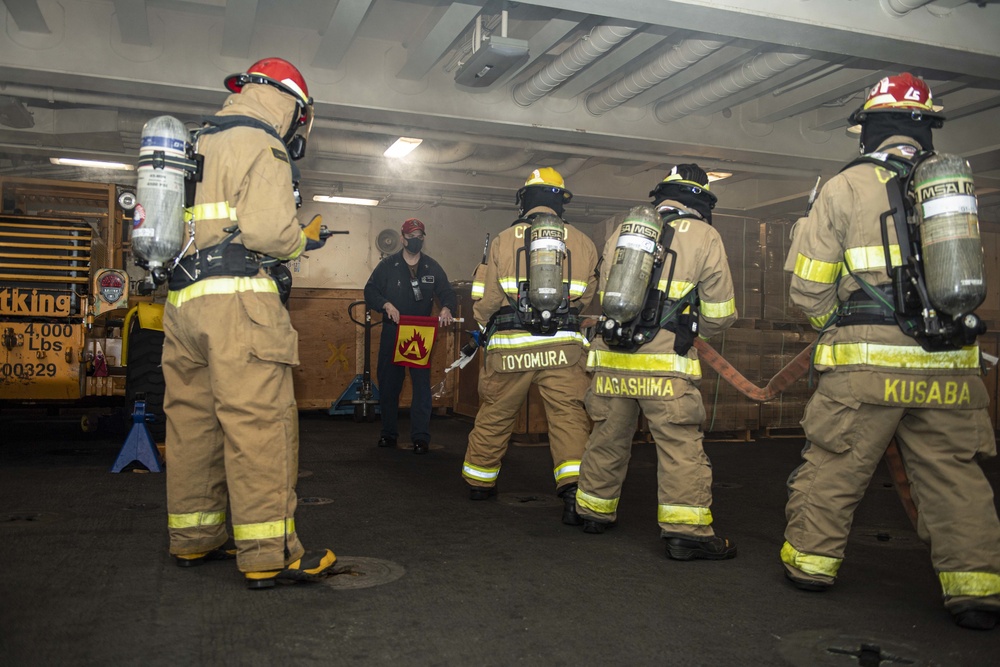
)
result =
(738, 435)
(774, 432)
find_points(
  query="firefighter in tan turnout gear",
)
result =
(878, 382)
(665, 280)
(541, 273)
(232, 424)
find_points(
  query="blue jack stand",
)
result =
(139, 445)
(361, 396)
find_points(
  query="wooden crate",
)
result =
(726, 409)
(777, 349)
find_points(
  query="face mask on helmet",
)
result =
(532, 196)
(682, 185)
(878, 127)
(296, 142)
(691, 197)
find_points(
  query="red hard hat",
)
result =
(898, 93)
(279, 73)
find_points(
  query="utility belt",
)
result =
(507, 319)
(223, 259)
(861, 308)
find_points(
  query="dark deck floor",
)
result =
(86, 578)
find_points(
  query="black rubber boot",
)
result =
(568, 495)
(713, 548)
(482, 492)
(310, 567)
(807, 585)
(597, 527)
(971, 616)
(226, 552)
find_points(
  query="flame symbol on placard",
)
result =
(413, 348)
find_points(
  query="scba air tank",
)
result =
(951, 249)
(158, 218)
(628, 277)
(547, 248)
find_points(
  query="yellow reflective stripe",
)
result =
(299, 249)
(820, 321)
(623, 361)
(975, 584)
(214, 211)
(221, 286)
(517, 340)
(479, 473)
(195, 519)
(723, 309)
(895, 356)
(817, 271)
(478, 289)
(595, 504)
(678, 288)
(263, 531)
(684, 514)
(810, 563)
(566, 469)
(866, 258)
(508, 284)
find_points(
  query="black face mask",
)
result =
(296, 147)
(533, 196)
(879, 127)
(414, 245)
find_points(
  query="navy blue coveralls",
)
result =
(390, 283)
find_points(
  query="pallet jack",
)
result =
(361, 396)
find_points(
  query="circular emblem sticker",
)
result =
(111, 286)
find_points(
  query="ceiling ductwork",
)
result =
(758, 69)
(588, 49)
(677, 59)
(902, 7)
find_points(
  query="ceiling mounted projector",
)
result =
(496, 56)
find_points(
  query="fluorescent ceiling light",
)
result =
(333, 199)
(97, 164)
(403, 146)
(718, 175)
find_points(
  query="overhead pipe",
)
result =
(585, 51)
(522, 154)
(677, 59)
(758, 69)
(902, 7)
(513, 160)
(426, 153)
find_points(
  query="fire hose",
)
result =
(786, 377)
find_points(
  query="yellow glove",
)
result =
(313, 232)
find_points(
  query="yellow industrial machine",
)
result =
(67, 311)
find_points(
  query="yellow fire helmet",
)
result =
(544, 186)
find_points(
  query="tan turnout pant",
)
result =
(232, 427)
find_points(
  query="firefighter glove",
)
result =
(315, 239)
